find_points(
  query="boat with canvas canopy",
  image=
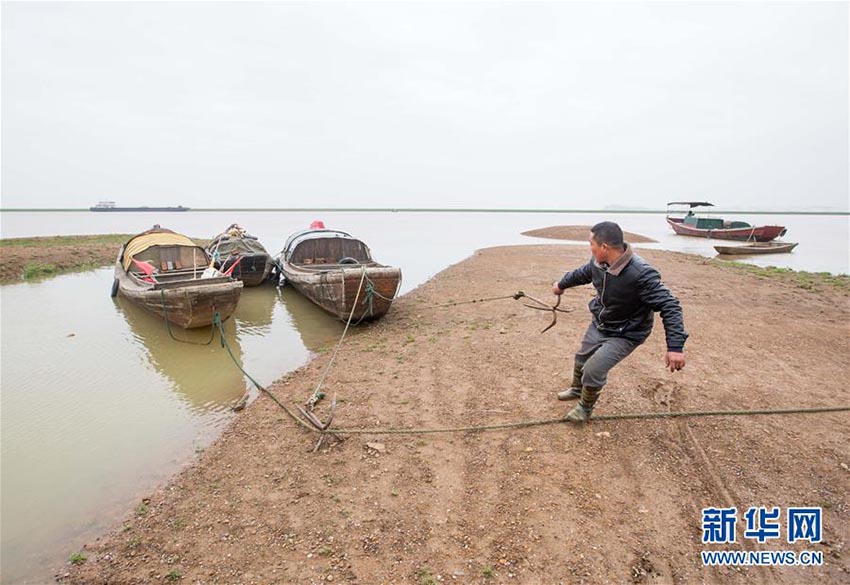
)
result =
(236, 250)
(169, 275)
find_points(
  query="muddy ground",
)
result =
(580, 233)
(28, 258)
(23, 259)
(608, 502)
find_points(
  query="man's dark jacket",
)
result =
(628, 292)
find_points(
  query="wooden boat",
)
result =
(756, 248)
(237, 252)
(712, 227)
(170, 276)
(329, 266)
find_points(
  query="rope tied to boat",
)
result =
(317, 392)
(216, 320)
(367, 300)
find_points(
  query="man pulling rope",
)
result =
(628, 293)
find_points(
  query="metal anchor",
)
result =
(544, 307)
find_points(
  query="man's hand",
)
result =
(675, 360)
(556, 289)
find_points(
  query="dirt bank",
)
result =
(32, 258)
(579, 233)
(28, 258)
(610, 502)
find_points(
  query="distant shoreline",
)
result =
(445, 210)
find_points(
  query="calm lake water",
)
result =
(98, 405)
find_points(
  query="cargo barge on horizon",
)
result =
(110, 206)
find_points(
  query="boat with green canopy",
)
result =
(713, 227)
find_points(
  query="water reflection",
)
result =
(204, 376)
(255, 310)
(316, 327)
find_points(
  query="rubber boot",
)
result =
(574, 391)
(581, 413)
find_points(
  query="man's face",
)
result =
(599, 251)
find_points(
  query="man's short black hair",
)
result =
(608, 232)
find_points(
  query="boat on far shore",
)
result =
(717, 228)
(756, 248)
(110, 206)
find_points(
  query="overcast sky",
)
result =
(494, 105)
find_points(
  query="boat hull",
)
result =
(187, 304)
(252, 270)
(751, 249)
(335, 289)
(758, 234)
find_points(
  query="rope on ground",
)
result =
(604, 417)
(518, 424)
(217, 324)
(514, 296)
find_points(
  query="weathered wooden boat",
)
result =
(329, 267)
(170, 276)
(236, 252)
(717, 228)
(756, 248)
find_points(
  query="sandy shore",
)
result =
(610, 502)
(580, 233)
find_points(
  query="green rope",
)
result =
(367, 300)
(518, 424)
(257, 384)
(171, 333)
(372, 290)
(494, 427)
(455, 303)
(317, 393)
(604, 417)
